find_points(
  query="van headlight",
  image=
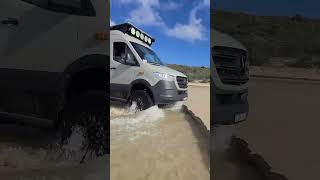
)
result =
(164, 76)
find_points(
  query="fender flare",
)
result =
(144, 82)
(91, 61)
(98, 61)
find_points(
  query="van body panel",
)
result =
(88, 26)
(41, 53)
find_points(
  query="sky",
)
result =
(181, 28)
(307, 8)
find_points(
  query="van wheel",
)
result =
(87, 112)
(142, 100)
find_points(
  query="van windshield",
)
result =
(147, 54)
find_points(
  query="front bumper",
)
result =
(166, 92)
(226, 106)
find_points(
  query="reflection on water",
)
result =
(158, 143)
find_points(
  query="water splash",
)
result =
(163, 141)
(117, 110)
(70, 152)
(131, 126)
(17, 157)
(177, 106)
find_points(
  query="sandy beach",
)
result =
(283, 125)
(199, 101)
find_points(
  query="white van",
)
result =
(53, 64)
(229, 80)
(136, 72)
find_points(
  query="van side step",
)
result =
(114, 99)
(30, 120)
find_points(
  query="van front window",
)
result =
(147, 54)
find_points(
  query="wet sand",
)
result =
(157, 144)
(285, 72)
(199, 101)
(283, 125)
(226, 163)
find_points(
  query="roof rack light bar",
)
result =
(134, 32)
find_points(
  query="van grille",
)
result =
(182, 82)
(231, 65)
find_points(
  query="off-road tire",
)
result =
(142, 98)
(88, 111)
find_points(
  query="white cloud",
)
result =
(192, 31)
(206, 2)
(171, 5)
(150, 3)
(145, 15)
(188, 32)
(125, 1)
(112, 23)
(146, 12)
(140, 2)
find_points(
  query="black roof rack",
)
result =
(125, 27)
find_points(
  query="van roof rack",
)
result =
(126, 27)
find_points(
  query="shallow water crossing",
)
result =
(32, 154)
(157, 144)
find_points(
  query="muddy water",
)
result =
(31, 153)
(157, 144)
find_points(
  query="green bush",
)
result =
(302, 62)
(270, 36)
(205, 81)
(193, 73)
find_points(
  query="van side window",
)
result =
(76, 7)
(40, 3)
(67, 3)
(123, 54)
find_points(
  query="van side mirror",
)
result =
(76, 7)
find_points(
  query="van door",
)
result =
(38, 43)
(90, 25)
(7, 24)
(123, 68)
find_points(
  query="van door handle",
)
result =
(113, 68)
(10, 21)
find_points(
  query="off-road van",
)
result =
(229, 79)
(136, 72)
(53, 65)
